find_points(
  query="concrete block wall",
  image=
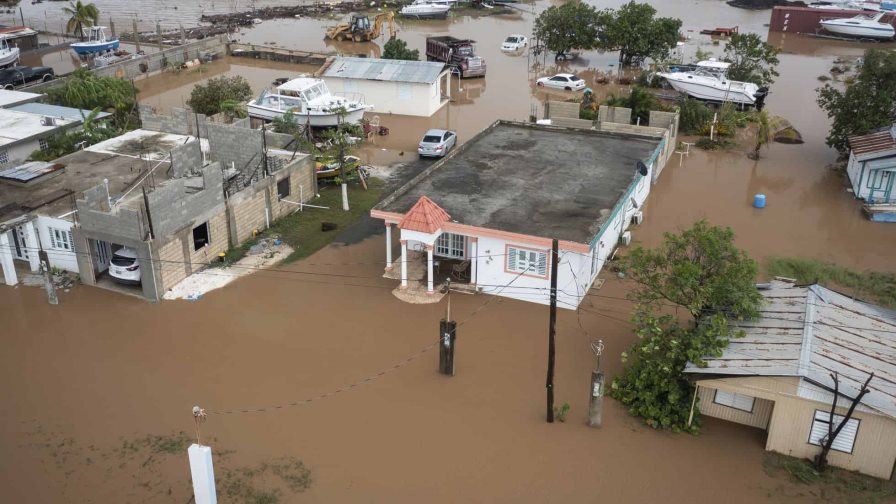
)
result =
(279, 140)
(558, 109)
(620, 115)
(94, 215)
(186, 159)
(178, 259)
(173, 208)
(247, 211)
(237, 146)
(660, 119)
(302, 183)
(568, 122)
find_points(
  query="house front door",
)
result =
(881, 186)
(18, 238)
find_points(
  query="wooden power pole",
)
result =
(552, 331)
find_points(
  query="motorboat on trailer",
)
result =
(310, 102)
(866, 26)
(425, 9)
(8, 55)
(96, 42)
(708, 81)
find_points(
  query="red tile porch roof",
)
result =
(425, 217)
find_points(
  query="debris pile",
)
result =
(247, 18)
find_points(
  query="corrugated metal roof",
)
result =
(30, 171)
(872, 143)
(46, 109)
(812, 332)
(423, 72)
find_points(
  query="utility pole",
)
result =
(48, 277)
(447, 335)
(552, 330)
(595, 404)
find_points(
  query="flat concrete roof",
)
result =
(17, 126)
(10, 98)
(88, 168)
(540, 181)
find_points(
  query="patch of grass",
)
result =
(717, 144)
(871, 286)
(837, 485)
(301, 230)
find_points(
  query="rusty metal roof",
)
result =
(812, 332)
(421, 72)
(873, 143)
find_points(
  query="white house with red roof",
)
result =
(487, 215)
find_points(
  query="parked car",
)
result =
(436, 143)
(125, 268)
(514, 43)
(12, 77)
(568, 82)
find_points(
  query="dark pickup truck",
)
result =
(13, 77)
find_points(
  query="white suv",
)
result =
(125, 268)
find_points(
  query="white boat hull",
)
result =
(9, 57)
(316, 120)
(706, 92)
(880, 33)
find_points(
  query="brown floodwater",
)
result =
(99, 369)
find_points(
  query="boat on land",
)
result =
(423, 9)
(8, 55)
(708, 81)
(867, 26)
(309, 100)
(96, 42)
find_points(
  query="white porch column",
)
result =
(429, 289)
(6, 262)
(32, 245)
(404, 264)
(388, 246)
(474, 255)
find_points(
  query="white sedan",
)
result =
(514, 43)
(568, 82)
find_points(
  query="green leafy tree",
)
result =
(636, 32)
(92, 131)
(85, 90)
(752, 59)
(209, 98)
(865, 105)
(233, 109)
(397, 49)
(701, 271)
(80, 15)
(573, 25)
(338, 144)
(639, 100)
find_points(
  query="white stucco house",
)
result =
(487, 215)
(27, 127)
(415, 88)
(872, 172)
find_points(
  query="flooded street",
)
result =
(323, 346)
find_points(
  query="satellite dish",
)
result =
(642, 168)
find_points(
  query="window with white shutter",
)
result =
(61, 239)
(736, 401)
(533, 262)
(845, 440)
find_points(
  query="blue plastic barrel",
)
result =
(759, 201)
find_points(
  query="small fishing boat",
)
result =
(310, 102)
(96, 42)
(708, 81)
(422, 9)
(326, 167)
(8, 55)
(867, 26)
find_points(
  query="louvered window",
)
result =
(845, 439)
(533, 262)
(732, 400)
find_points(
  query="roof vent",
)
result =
(47, 121)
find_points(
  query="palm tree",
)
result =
(81, 15)
(764, 133)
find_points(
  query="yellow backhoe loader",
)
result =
(360, 29)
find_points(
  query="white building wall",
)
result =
(854, 170)
(59, 256)
(391, 97)
(18, 154)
